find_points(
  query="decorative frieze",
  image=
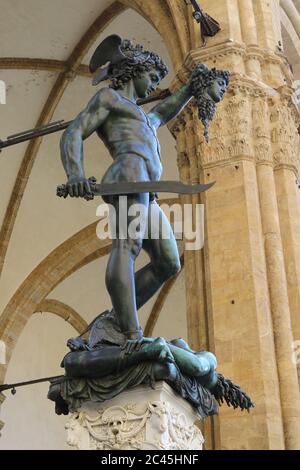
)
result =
(138, 419)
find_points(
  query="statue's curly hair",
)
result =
(137, 61)
(200, 82)
(206, 77)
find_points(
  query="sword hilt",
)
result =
(62, 190)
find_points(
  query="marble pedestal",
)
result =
(140, 418)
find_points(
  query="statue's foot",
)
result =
(153, 348)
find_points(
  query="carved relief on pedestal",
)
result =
(193, 129)
(287, 155)
(235, 105)
(177, 126)
(157, 426)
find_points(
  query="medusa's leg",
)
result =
(111, 359)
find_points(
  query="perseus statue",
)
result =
(130, 135)
(116, 355)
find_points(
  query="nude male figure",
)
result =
(130, 136)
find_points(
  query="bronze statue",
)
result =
(130, 135)
(116, 356)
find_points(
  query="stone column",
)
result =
(285, 144)
(289, 388)
(2, 398)
(266, 125)
(237, 278)
(137, 419)
(233, 319)
(184, 131)
(249, 35)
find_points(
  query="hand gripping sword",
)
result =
(124, 187)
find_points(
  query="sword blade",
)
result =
(107, 189)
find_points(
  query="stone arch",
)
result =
(71, 255)
(291, 34)
(63, 311)
(168, 18)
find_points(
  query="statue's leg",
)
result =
(120, 269)
(112, 359)
(163, 253)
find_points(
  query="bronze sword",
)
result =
(125, 187)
